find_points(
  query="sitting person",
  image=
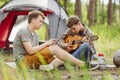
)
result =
(28, 52)
(78, 32)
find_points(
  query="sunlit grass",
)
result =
(109, 40)
(3, 2)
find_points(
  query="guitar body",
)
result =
(74, 41)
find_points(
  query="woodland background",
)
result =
(103, 18)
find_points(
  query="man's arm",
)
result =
(61, 42)
(32, 50)
(89, 33)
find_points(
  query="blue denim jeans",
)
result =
(82, 52)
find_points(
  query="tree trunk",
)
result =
(103, 18)
(78, 9)
(119, 7)
(58, 1)
(95, 11)
(65, 5)
(109, 16)
(91, 12)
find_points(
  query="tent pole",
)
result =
(58, 2)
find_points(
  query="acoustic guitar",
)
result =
(76, 41)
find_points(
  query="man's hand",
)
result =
(84, 39)
(51, 42)
(67, 47)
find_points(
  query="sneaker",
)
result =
(94, 66)
(99, 67)
(48, 67)
(103, 67)
(61, 67)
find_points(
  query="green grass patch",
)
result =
(109, 40)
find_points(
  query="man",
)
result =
(86, 48)
(28, 52)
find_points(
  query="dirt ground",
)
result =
(108, 74)
(111, 73)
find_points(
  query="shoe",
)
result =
(61, 67)
(103, 67)
(48, 67)
(93, 67)
(99, 67)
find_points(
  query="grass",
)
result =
(1, 3)
(108, 44)
(109, 40)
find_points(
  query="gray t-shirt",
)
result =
(23, 35)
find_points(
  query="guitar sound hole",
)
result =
(73, 42)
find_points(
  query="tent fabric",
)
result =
(2, 16)
(44, 4)
(57, 26)
(38, 3)
(9, 12)
(5, 28)
(62, 28)
(7, 25)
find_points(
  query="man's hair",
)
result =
(34, 14)
(73, 20)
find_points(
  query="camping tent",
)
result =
(9, 13)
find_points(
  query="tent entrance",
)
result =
(7, 25)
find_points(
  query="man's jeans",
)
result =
(83, 52)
